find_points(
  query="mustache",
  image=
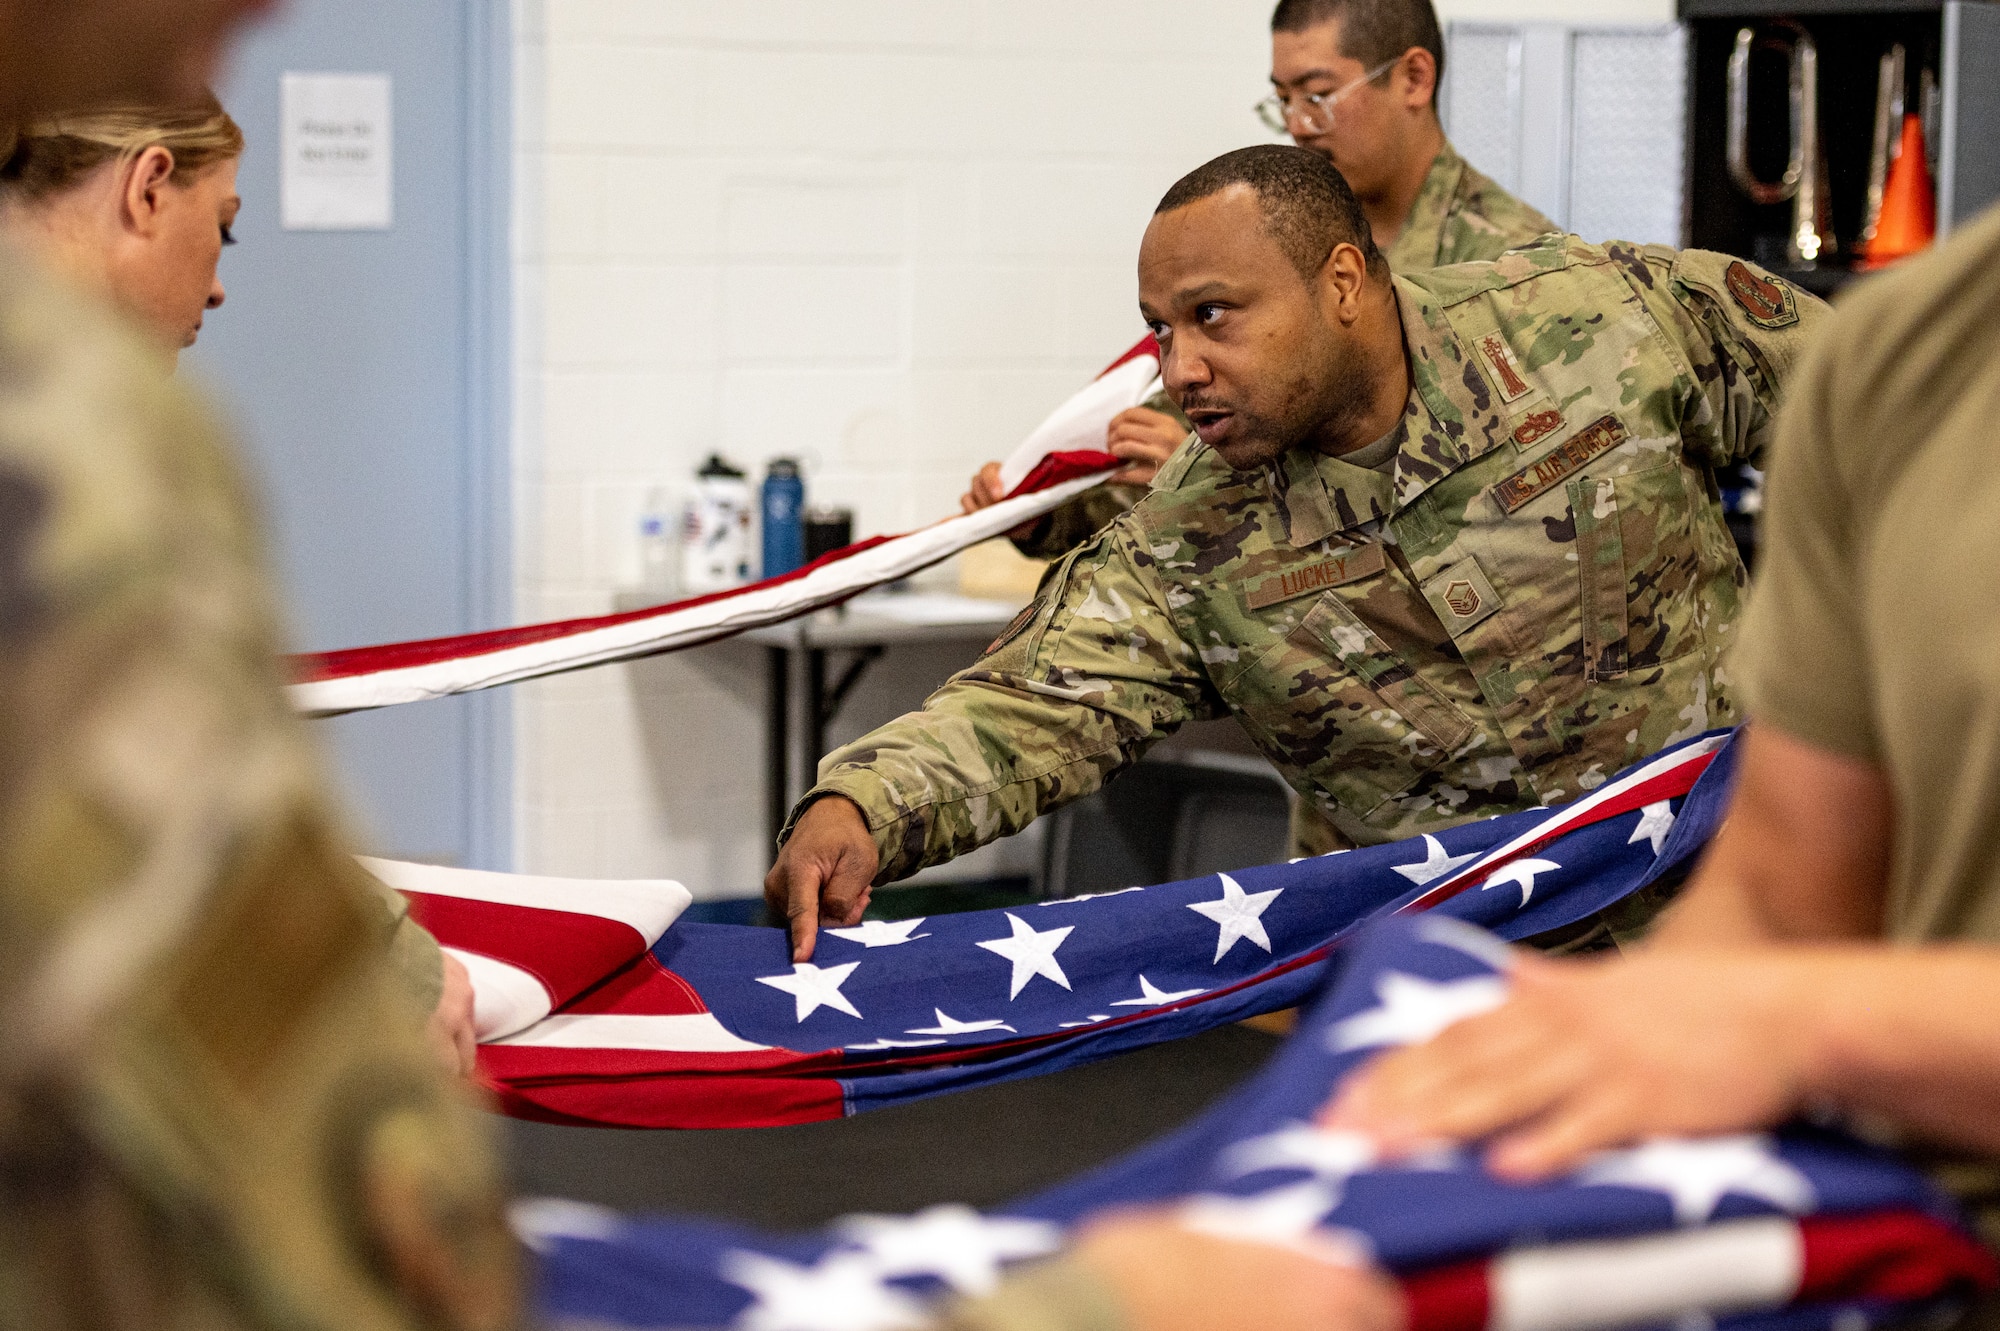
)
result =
(1190, 405)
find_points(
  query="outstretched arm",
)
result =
(1077, 688)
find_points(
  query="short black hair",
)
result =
(1308, 208)
(1371, 31)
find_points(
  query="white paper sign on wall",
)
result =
(337, 140)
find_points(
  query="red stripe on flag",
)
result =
(1670, 784)
(1145, 346)
(1448, 1298)
(1890, 1255)
(567, 951)
(678, 1102)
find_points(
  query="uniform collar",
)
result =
(1421, 240)
(1450, 419)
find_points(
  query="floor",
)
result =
(981, 1147)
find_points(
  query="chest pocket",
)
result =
(1333, 702)
(1638, 561)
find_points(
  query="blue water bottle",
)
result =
(784, 502)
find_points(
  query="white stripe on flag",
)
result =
(647, 905)
(671, 629)
(505, 998)
(686, 1033)
(1734, 1266)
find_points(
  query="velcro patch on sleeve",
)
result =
(1558, 464)
(1766, 301)
(1363, 561)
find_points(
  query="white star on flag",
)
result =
(953, 1026)
(1331, 1157)
(814, 987)
(881, 933)
(1236, 911)
(875, 1046)
(1435, 864)
(954, 1243)
(1521, 873)
(1091, 1020)
(1149, 996)
(839, 1292)
(1414, 1009)
(1655, 821)
(1696, 1175)
(1033, 952)
(1285, 1217)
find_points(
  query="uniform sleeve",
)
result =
(1090, 676)
(1801, 661)
(413, 953)
(1742, 331)
(1056, 1295)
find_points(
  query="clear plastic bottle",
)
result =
(659, 544)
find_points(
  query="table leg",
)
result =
(817, 714)
(777, 743)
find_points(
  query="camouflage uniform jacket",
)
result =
(217, 1108)
(1459, 216)
(1540, 594)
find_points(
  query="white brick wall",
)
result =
(886, 235)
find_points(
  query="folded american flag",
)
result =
(714, 1026)
(1804, 1228)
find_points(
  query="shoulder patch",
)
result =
(1766, 301)
(1016, 625)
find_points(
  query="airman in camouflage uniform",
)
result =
(1460, 215)
(1535, 590)
(217, 1108)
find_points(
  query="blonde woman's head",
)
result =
(136, 201)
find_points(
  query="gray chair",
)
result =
(1182, 816)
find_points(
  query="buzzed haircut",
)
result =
(1371, 31)
(1308, 208)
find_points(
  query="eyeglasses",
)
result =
(1313, 110)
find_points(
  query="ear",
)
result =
(146, 179)
(1419, 78)
(1344, 281)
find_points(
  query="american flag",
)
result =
(612, 1017)
(1802, 1228)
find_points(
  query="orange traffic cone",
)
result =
(1909, 210)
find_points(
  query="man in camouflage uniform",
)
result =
(1426, 207)
(217, 1105)
(1446, 545)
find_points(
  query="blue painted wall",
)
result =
(365, 372)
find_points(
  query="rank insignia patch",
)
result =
(1462, 596)
(1363, 561)
(1538, 425)
(1600, 436)
(1767, 301)
(1506, 370)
